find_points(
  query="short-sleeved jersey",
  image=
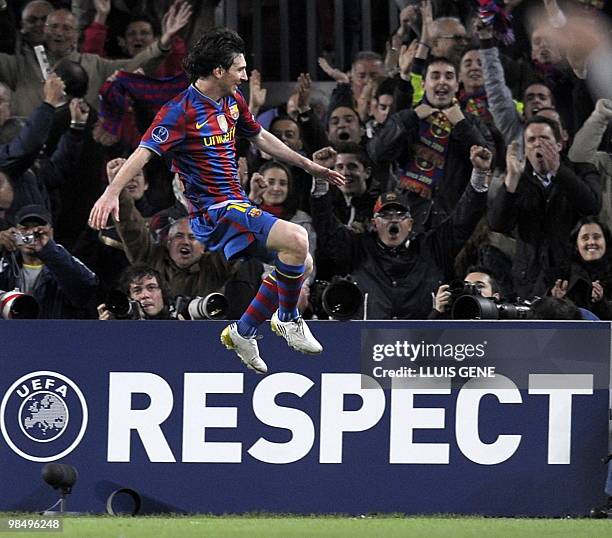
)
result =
(198, 136)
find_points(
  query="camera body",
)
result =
(458, 288)
(25, 239)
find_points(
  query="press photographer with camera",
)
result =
(146, 296)
(35, 264)
(479, 280)
(397, 273)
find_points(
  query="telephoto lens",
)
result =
(120, 305)
(342, 298)
(17, 305)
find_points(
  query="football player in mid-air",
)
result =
(197, 130)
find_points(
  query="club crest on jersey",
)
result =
(254, 212)
(234, 112)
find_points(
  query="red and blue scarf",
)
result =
(426, 166)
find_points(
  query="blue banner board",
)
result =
(497, 418)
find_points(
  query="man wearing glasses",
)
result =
(449, 39)
(397, 272)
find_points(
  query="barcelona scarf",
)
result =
(426, 167)
(476, 104)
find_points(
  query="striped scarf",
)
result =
(426, 167)
(145, 94)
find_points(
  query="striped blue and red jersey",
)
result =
(198, 135)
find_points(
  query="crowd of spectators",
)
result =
(465, 156)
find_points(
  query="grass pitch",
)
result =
(264, 526)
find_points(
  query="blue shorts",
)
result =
(240, 229)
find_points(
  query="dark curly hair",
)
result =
(216, 48)
(138, 271)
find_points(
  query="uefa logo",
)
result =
(43, 416)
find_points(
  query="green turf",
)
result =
(386, 527)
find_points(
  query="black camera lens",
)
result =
(342, 299)
(118, 304)
(474, 307)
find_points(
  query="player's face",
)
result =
(148, 293)
(183, 247)
(277, 186)
(137, 186)
(232, 77)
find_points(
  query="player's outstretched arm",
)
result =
(268, 143)
(108, 203)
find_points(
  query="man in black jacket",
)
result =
(431, 146)
(543, 195)
(398, 275)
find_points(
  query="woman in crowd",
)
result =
(272, 188)
(589, 283)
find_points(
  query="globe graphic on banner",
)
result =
(43, 416)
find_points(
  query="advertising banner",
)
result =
(494, 418)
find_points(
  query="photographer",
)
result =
(478, 279)
(147, 292)
(35, 264)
